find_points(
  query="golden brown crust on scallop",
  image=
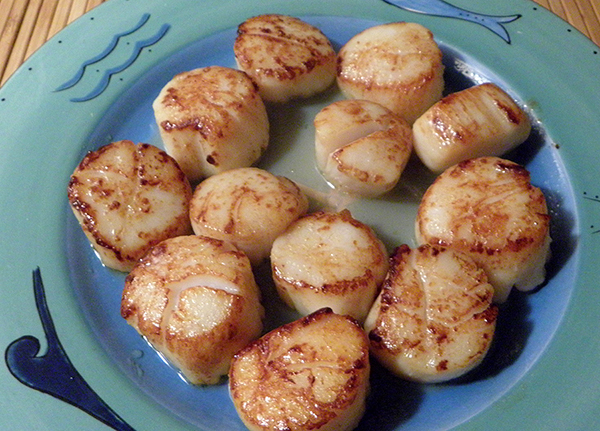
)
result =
(127, 198)
(285, 56)
(212, 119)
(249, 207)
(195, 300)
(487, 208)
(434, 319)
(361, 147)
(327, 259)
(398, 65)
(482, 120)
(311, 374)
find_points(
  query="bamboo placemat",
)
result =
(26, 24)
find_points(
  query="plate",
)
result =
(94, 83)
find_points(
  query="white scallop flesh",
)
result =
(329, 260)
(398, 65)
(212, 119)
(249, 207)
(480, 121)
(207, 316)
(361, 147)
(195, 300)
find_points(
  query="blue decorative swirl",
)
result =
(110, 49)
(105, 80)
(53, 373)
(105, 53)
(444, 9)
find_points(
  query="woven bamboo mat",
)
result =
(26, 24)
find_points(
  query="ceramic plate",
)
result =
(94, 82)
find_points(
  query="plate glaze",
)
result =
(80, 92)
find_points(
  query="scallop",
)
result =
(361, 147)
(434, 319)
(398, 65)
(488, 209)
(310, 374)
(287, 57)
(195, 300)
(327, 259)
(127, 198)
(480, 121)
(212, 119)
(248, 207)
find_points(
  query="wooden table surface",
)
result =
(26, 24)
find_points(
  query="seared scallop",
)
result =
(127, 198)
(488, 209)
(398, 65)
(195, 300)
(329, 260)
(287, 57)
(480, 121)
(212, 119)
(361, 146)
(249, 207)
(434, 319)
(311, 374)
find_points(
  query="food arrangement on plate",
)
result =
(429, 313)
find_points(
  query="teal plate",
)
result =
(94, 82)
